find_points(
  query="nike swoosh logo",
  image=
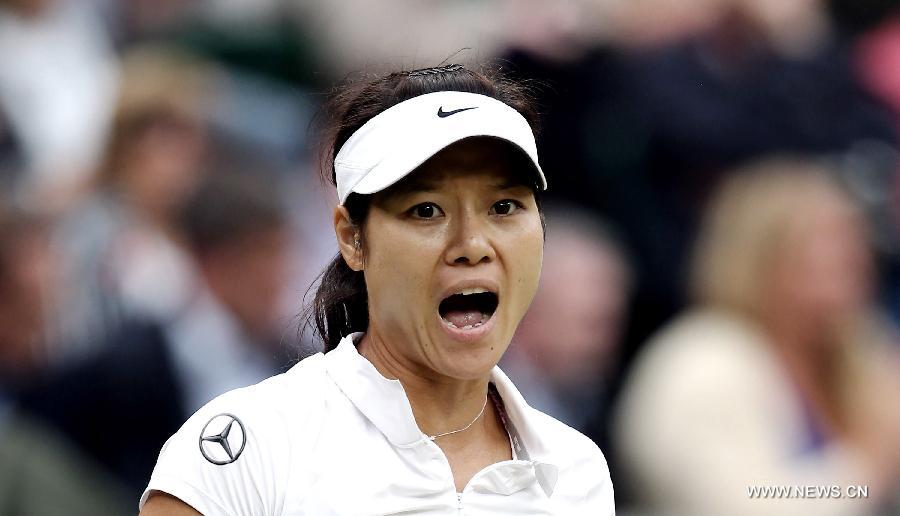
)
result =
(444, 114)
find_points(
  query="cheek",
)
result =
(398, 268)
(524, 257)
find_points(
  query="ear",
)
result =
(348, 238)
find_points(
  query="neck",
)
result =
(440, 404)
(795, 335)
(798, 340)
(809, 362)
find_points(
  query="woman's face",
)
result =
(825, 270)
(453, 258)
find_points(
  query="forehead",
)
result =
(493, 162)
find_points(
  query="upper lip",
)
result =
(456, 288)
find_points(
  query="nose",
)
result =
(469, 242)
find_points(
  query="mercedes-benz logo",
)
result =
(222, 439)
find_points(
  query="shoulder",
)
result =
(701, 349)
(574, 463)
(565, 446)
(285, 396)
(583, 473)
(273, 408)
(703, 362)
(234, 455)
(704, 382)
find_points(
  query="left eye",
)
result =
(505, 207)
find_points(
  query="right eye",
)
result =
(426, 210)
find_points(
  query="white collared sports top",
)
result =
(332, 436)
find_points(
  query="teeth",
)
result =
(466, 327)
(469, 325)
(473, 290)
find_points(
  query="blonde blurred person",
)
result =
(777, 394)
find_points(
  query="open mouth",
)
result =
(468, 309)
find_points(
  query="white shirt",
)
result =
(332, 436)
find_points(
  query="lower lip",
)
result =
(471, 334)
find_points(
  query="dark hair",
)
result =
(340, 305)
(227, 207)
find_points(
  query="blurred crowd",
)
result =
(721, 284)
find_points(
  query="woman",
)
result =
(779, 378)
(440, 236)
(124, 257)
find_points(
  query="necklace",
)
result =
(463, 429)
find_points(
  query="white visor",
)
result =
(399, 139)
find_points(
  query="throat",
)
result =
(468, 456)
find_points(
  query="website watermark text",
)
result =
(808, 492)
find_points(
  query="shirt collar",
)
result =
(383, 401)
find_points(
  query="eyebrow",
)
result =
(416, 184)
(510, 183)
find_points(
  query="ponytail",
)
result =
(340, 306)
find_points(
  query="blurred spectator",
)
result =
(643, 128)
(879, 61)
(40, 473)
(363, 36)
(353, 36)
(230, 335)
(121, 247)
(878, 54)
(122, 405)
(857, 17)
(780, 375)
(567, 345)
(26, 266)
(57, 82)
(11, 159)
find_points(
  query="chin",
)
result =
(471, 360)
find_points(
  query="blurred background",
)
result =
(721, 287)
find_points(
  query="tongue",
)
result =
(461, 318)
